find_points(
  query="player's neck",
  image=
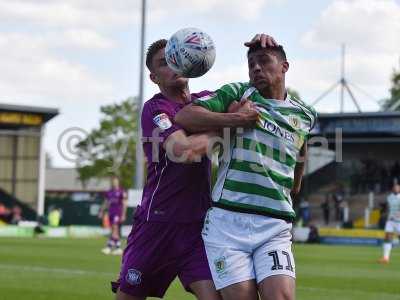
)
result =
(180, 95)
(277, 92)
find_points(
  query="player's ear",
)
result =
(153, 77)
(285, 66)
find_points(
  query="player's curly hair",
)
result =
(276, 49)
(152, 50)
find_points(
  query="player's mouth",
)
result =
(259, 78)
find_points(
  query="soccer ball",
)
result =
(190, 52)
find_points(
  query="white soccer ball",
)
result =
(190, 52)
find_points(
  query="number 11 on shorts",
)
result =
(277, 264)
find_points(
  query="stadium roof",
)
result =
(360, 115)
(377, 125)
(45, 112)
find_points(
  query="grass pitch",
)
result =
(74, 269)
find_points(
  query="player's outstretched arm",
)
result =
(299, 170)
(194, 118)
(181, 148)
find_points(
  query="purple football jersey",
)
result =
(174, 192)
(115, 199)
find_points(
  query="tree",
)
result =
(110, 149)
(393, 103)
(293, 93)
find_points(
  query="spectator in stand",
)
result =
(326, 209)
(337, 198)
(305, 212)
(4, 213)
(16, 213)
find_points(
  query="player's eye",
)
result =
(264, 60)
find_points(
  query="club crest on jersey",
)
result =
(220, 264)
(133, 277)
(294, 121)
(162, 121)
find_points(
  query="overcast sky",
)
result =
(76, 55)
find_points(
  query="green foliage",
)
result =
(393, 103)
(110, 149)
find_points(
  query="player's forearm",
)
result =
(201, 143)
(191, 148)
(198, 119)
(298, 176)
(299, 169)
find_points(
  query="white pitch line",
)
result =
(55, 270)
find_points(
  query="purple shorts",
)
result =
(114, 219)
(156, 253)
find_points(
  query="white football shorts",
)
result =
(243, 247)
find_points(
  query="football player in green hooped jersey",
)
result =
(247, 232)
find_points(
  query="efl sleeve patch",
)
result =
(206, 97)
(162, 121)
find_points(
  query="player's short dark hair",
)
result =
(278, 50)
(152, 50)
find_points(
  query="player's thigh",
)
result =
(205, 290)
(228, 252)
(148, 264)
(245, 290)
(229, 266)
(115, 229)
(194, 272)
(278, 287)
(274, 263)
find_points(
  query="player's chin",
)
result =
(261, 84)
(181, 81)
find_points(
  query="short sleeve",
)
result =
(220, 100)
(158, 121)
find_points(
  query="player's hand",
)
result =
(294, 192)
(123, 218)
(248, 113)
(242, 106)
(264, 39)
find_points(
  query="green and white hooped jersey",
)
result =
(394, 207)
(256, 174)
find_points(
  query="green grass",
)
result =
(44, 269)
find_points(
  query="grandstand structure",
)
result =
(360, 156)
(22, 156)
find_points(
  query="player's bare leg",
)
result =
(278, 287)
(117, 239)
(387, 247)
(205, 290)
(246, 290)
(123, 296)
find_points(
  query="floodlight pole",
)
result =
(344, 86)
(342, 80)
(139, 175)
